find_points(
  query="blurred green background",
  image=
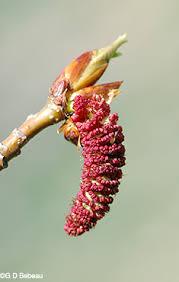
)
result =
(138, 239)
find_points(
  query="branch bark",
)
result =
(11, 146)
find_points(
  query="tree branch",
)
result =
(82, 72)
(11, 146)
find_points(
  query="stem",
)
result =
(10, 147)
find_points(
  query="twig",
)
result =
(11, 146)
(81, 72)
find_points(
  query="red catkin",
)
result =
(101, 140)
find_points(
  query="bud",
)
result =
(70, 131)
(84, 71)
(107, 91)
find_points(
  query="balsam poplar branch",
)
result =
(82, 72)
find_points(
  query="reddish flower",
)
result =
(101, 140)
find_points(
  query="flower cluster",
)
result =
(88, 123)
(101, 140)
